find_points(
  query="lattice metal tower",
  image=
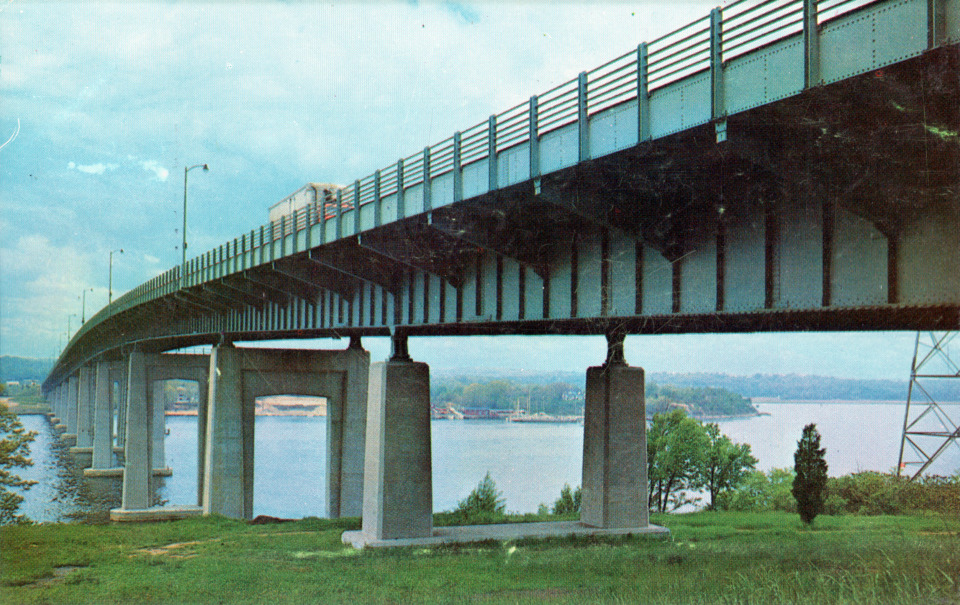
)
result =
(928, 428)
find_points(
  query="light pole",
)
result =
(110, 283)
(183, 249)
(69, 329)
(83, 309)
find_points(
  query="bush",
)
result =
(569, 501)
(873, 493)
(761, 492)
(485, 504)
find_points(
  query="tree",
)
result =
(676, 446)
(14, 453)
(726, 464)
(484, 501)
(569, 501)
(811, 479)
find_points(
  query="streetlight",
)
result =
(110, 282)
(183, 250)
(69, 329)
(83, 309)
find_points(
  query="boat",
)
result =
(542, 417)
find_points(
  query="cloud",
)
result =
(155, 167)
(98, 168)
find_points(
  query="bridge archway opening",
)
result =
(290, 456)
(176, 432)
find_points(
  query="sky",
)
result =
(102, 106)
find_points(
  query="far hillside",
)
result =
(787, 387)
(562, 398)
(24, 369)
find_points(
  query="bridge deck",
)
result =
(767, 167)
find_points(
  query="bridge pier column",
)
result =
(228, 456)
(615, 444)
(398, 480)
(158, 455)
(60, 407)
(137, 476)
(120, 400)
(103, 420)
(83, 451)
(70, 437)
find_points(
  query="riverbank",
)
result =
(712, 558)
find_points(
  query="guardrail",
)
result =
(738, 28)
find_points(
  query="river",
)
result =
(529, 462)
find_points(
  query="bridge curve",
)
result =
(777, 167)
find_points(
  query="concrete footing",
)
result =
(505, 531)
(117, 472)
(155, 513)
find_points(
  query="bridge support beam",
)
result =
(398, 480)
(615, 444)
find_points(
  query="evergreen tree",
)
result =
(811, 478)
(485, 498)
(569, 501)
(14, 452)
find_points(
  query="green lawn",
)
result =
(710, 558)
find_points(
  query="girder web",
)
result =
(928, 425)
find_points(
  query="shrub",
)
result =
(761, 492)
(485, 504)
(569, 501)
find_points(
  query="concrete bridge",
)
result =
(776, 165)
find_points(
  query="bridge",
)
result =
(776, 165)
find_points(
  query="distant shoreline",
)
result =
(778, 401)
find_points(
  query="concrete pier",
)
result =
(137, 478)
(85, 394)
(398, 478)
(228, 459)
(70, 437)
(103, 417)
(614, 444)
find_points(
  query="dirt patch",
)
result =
(59, 575)
(170, 549)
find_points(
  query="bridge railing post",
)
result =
(377, 202)
(401, 194)
(583, 118)
(338, 219)
(643, 93)
(936, 22)
(356, 207)
(492, 172)
(717, 109)
(427, 189)
(457, 174)
(811, 44)
(534, 137)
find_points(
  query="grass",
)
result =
(710, 558)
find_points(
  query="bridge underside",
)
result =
(835, 209)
